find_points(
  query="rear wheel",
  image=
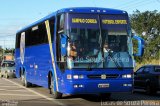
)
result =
(150, 90)
(56, 95)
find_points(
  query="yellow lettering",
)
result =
(87, 21)
(114, 21)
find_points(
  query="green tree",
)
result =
(144, 22)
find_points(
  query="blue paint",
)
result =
(40, 55)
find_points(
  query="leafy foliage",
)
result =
(148, 22)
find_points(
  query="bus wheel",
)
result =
(24, 80)
(56, 95)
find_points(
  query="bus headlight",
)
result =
(75, 76)
(127, 76)
(78, 76)
(69, 76)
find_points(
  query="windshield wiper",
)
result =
(92, 62)
(115, 62)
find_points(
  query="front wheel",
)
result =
(56, 95)
(24, 80)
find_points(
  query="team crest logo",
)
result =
(22, 47)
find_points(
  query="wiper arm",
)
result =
(90, 65)
(115, 62)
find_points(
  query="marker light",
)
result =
(75, 86)
(81, 86)
(78, 76)
(69, 76)
(98, 11)
(92, 10)
(104, 11)
(71, 10)
(127, 85)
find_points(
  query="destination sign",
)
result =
(83, 20)
(106, 21)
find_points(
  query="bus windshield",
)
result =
(86, 42)
(91, 36)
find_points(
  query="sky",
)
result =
(15, 14)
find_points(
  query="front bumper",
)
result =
(92, 86)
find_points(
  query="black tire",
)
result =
(56, 95)
(150, 90)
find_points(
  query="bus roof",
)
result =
(92, 10)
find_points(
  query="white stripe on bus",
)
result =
(51, 51)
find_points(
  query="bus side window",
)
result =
(18, 36)
(28, 38)
(42, 34)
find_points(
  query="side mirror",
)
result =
(141, 43)
(63, 45)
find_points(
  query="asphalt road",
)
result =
(12, 93)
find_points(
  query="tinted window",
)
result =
(51, 23)
(140, 70)
(27, 37)
(157, 69)
(147, 69)
(42, 34)
(38, 34)
(18, 40)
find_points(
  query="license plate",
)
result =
(103, 85)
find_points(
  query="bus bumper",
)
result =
(98, 86)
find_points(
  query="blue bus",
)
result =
(78, 51)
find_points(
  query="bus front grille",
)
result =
(108, 76)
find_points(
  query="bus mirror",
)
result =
(140, 49)
(63, 45)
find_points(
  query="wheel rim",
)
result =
(6, 75)
(22, 78)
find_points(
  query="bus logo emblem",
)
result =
(103, 76)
